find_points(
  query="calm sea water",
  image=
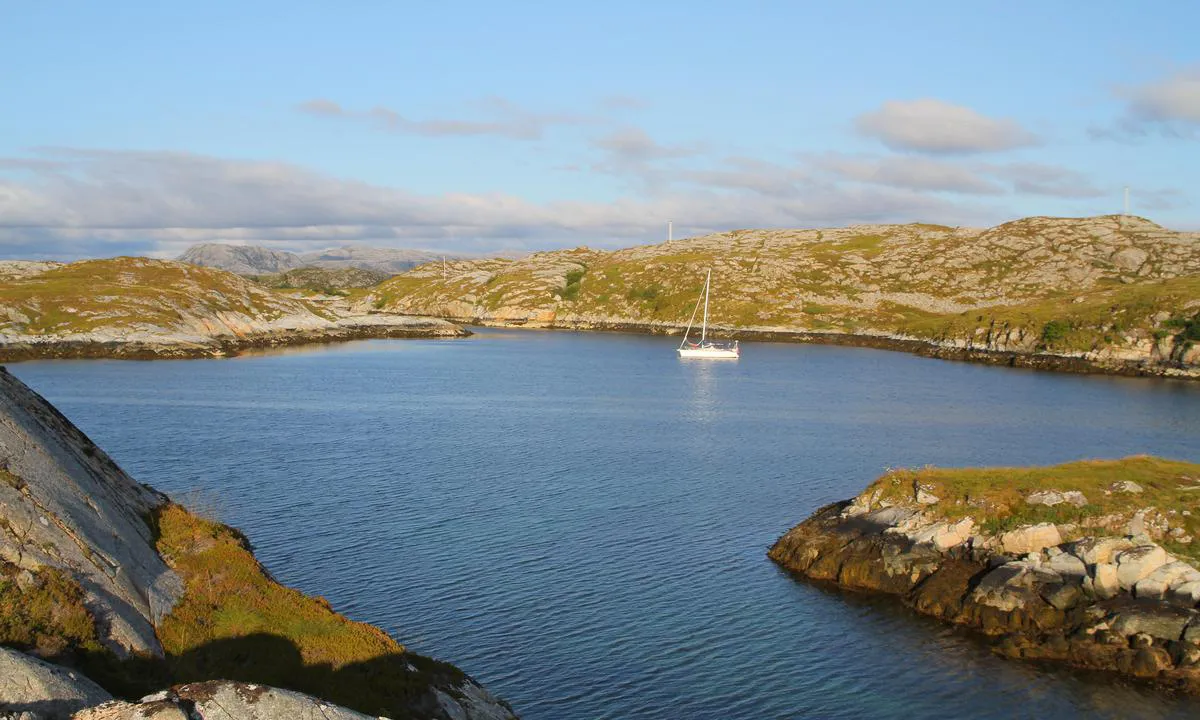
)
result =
(581, 520)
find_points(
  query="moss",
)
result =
(235, 622)
(1054, 332)
(47, 615)
(13, 481)
(229, 594)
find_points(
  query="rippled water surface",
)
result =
(581, 520)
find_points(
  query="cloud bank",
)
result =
(83, 202)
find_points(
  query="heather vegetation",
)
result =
(132, 293)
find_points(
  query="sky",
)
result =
(142, 127)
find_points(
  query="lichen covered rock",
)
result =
(1123, 604)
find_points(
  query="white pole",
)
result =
(1126, 199)
(670, 230)
(443, 267)
(704, 328)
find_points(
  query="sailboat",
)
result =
(706, 348)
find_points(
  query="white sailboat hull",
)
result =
(706, 349)
(710, 353)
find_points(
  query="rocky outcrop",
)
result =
(221, 700)
(97, 570)
(241, 259)
(326, 280)
(42, 690)
(64, 505)
(1116, 603)
(141, 308)
(256, 260)
(34, 690)
(377, 259)
(990, 295)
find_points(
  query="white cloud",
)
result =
(504, 119)
(937, 127)
(632, 144)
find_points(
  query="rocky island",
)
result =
(1092, 564)
(108, 588)
(141, 308)
(1116, 294)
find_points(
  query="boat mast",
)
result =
(704, 327)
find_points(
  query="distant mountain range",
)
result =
(255, 260)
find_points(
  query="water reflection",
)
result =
(702, 375)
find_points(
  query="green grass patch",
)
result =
(995, 497)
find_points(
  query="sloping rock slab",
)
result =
(48, 691)
(65, 504)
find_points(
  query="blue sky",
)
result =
(147, 126)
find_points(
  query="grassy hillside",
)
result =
(133, 293)
(1108, 284)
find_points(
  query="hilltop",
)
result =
(241, 259)
(1116, 293)
(256, 260)
(137, 307)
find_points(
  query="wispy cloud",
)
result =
(1048, 180)
(502, 118)
(908, 171)
(623, 102)
(941, 128)
(1169, 106)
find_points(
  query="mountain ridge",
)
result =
(258, 260)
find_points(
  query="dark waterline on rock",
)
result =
(581, 520)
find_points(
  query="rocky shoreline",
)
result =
(1053, 362)
(1116, 602)
(164, 346)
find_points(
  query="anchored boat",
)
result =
(706, 348)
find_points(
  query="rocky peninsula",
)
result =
(109, 589)
(1092, 564)
(142, 308)
(1113, 294)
